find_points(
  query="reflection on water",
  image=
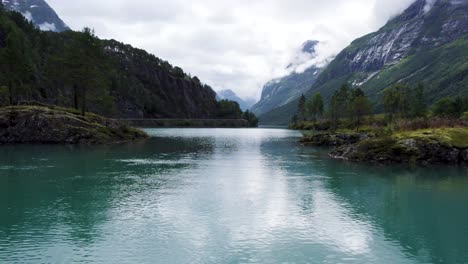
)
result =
(224, 196)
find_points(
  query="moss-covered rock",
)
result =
(335, 139)
(55, 125)
(445, 145)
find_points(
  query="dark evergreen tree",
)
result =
(301, 108)
(360, 107)
(251, 118)
(315, 107)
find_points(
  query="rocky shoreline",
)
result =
(55, 125)
(436, 146)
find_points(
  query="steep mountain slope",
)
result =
(281, 91)
(232, 96)
(427, 43)
(120, 80)
(38, 12)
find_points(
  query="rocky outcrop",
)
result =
(406, 150)
(52, 125)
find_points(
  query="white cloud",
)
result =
(48, 27)
(236, 45)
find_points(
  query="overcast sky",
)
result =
(230, 44)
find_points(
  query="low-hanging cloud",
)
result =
(238, 45)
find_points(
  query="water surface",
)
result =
(224, 196)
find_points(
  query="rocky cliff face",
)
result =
(281, 91)
(38, 12)
(423, 25)
(425, 44)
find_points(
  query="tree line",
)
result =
(399, 101)
(77, 69)
(227, 109)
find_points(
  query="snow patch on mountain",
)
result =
(38, 12)
(429, 5)
(47, 27)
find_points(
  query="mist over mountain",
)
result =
(281, 91)
(426, 44)
(38, 12)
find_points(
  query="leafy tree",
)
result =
(460, 105)
(251, 118)
(418, 102)
(229, 110)
(395, 101)
(315, 106)
(339, 105)
(443, 108)
(334, 111)
(360, 107)
(450, 108)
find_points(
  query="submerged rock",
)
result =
(40, 124)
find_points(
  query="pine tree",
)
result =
(360, 107)
(301, 108)
(315, 107)
(15, 63)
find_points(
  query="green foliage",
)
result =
(450, 107)
(178, 72)
(400, 101)
(361, 106)
(315, 106)
(339, 105)
(251, 118)
(418, 106)
(301, 108)
(229, 110)
(76, 69)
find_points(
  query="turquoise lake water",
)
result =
(224, 196)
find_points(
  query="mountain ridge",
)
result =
(281, 91)
(120, 81)
(425, 44)
(39, 12)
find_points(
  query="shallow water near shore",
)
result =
(224, 196)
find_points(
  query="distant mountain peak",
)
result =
(232, 96)
(303, 71)
(425, 44)
(309, 46)
(38, 12)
